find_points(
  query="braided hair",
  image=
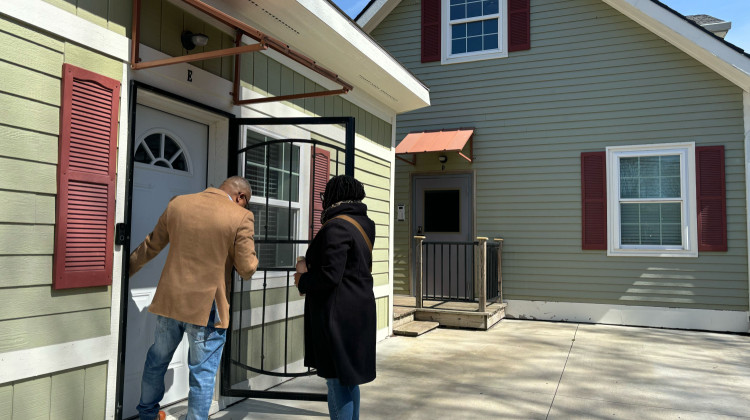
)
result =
(342, 188)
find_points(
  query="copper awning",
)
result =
(436, 141)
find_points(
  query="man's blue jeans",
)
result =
(343, 400)
(206, 344)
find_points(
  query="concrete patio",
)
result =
(542, 370)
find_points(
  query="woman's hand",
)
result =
(301, 268)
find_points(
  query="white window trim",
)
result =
(445, 30)
(689, 213)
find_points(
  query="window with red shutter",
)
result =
(711, 191)
(519, 24)
(85, 205)
(594, 201)
(431, 30)
(320, 171)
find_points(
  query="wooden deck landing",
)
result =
(449, 314)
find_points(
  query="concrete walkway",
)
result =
(543, 370)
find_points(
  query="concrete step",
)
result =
(402, 315)
(415, 328)
(398, 322)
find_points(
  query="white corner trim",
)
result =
(52, 19)
(713, 53)
(383, 333)
(28, 363)
(391, 234)
(381, 291)
(746, 114)
(641, 316)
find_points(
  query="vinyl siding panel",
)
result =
(33, 314)
(74, 394)
(592, 78)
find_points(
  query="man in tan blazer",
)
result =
(209, 233)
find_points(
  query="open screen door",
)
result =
(288, 162)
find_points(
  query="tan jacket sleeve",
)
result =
(151, 246)
(245, 259)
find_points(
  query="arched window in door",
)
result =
(162, 149)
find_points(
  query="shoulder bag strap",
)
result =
(358, 226)
(362, 231)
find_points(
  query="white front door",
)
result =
(170, 159)
(443, 215)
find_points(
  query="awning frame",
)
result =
(241, 28)
(470, 158)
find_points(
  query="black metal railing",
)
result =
(448, 270)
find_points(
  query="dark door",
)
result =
(443, 214)
(288, 162)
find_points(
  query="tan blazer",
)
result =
(209, 233)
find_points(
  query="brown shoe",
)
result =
(162, 415)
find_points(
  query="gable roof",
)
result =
(726, 59)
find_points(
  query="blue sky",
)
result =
(735, 11)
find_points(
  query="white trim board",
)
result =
(641, 316)
(64, 24)
(28, 363)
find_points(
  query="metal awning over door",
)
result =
(436, 141)
(288, 162)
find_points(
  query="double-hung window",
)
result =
(651, 197)
(474, 30)
(274, 174)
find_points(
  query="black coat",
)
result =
(340, 316)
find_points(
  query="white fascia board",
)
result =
(68, 26)
(713, 53)
(375, 14)
(377, 56)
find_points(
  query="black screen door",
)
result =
(287, 162)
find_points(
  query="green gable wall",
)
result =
(592, 78)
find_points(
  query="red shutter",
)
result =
(85, 205)
(519, 23)
(594, 200)
(711, 206)
(320, 173)
(431, 30)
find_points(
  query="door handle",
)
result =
(420, 232)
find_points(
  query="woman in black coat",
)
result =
(340, 318)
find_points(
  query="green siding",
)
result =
(382, 306)
(35, 315)
(73, 394)
(593, 78)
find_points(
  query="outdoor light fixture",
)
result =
(443, 158)
(191, 40)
